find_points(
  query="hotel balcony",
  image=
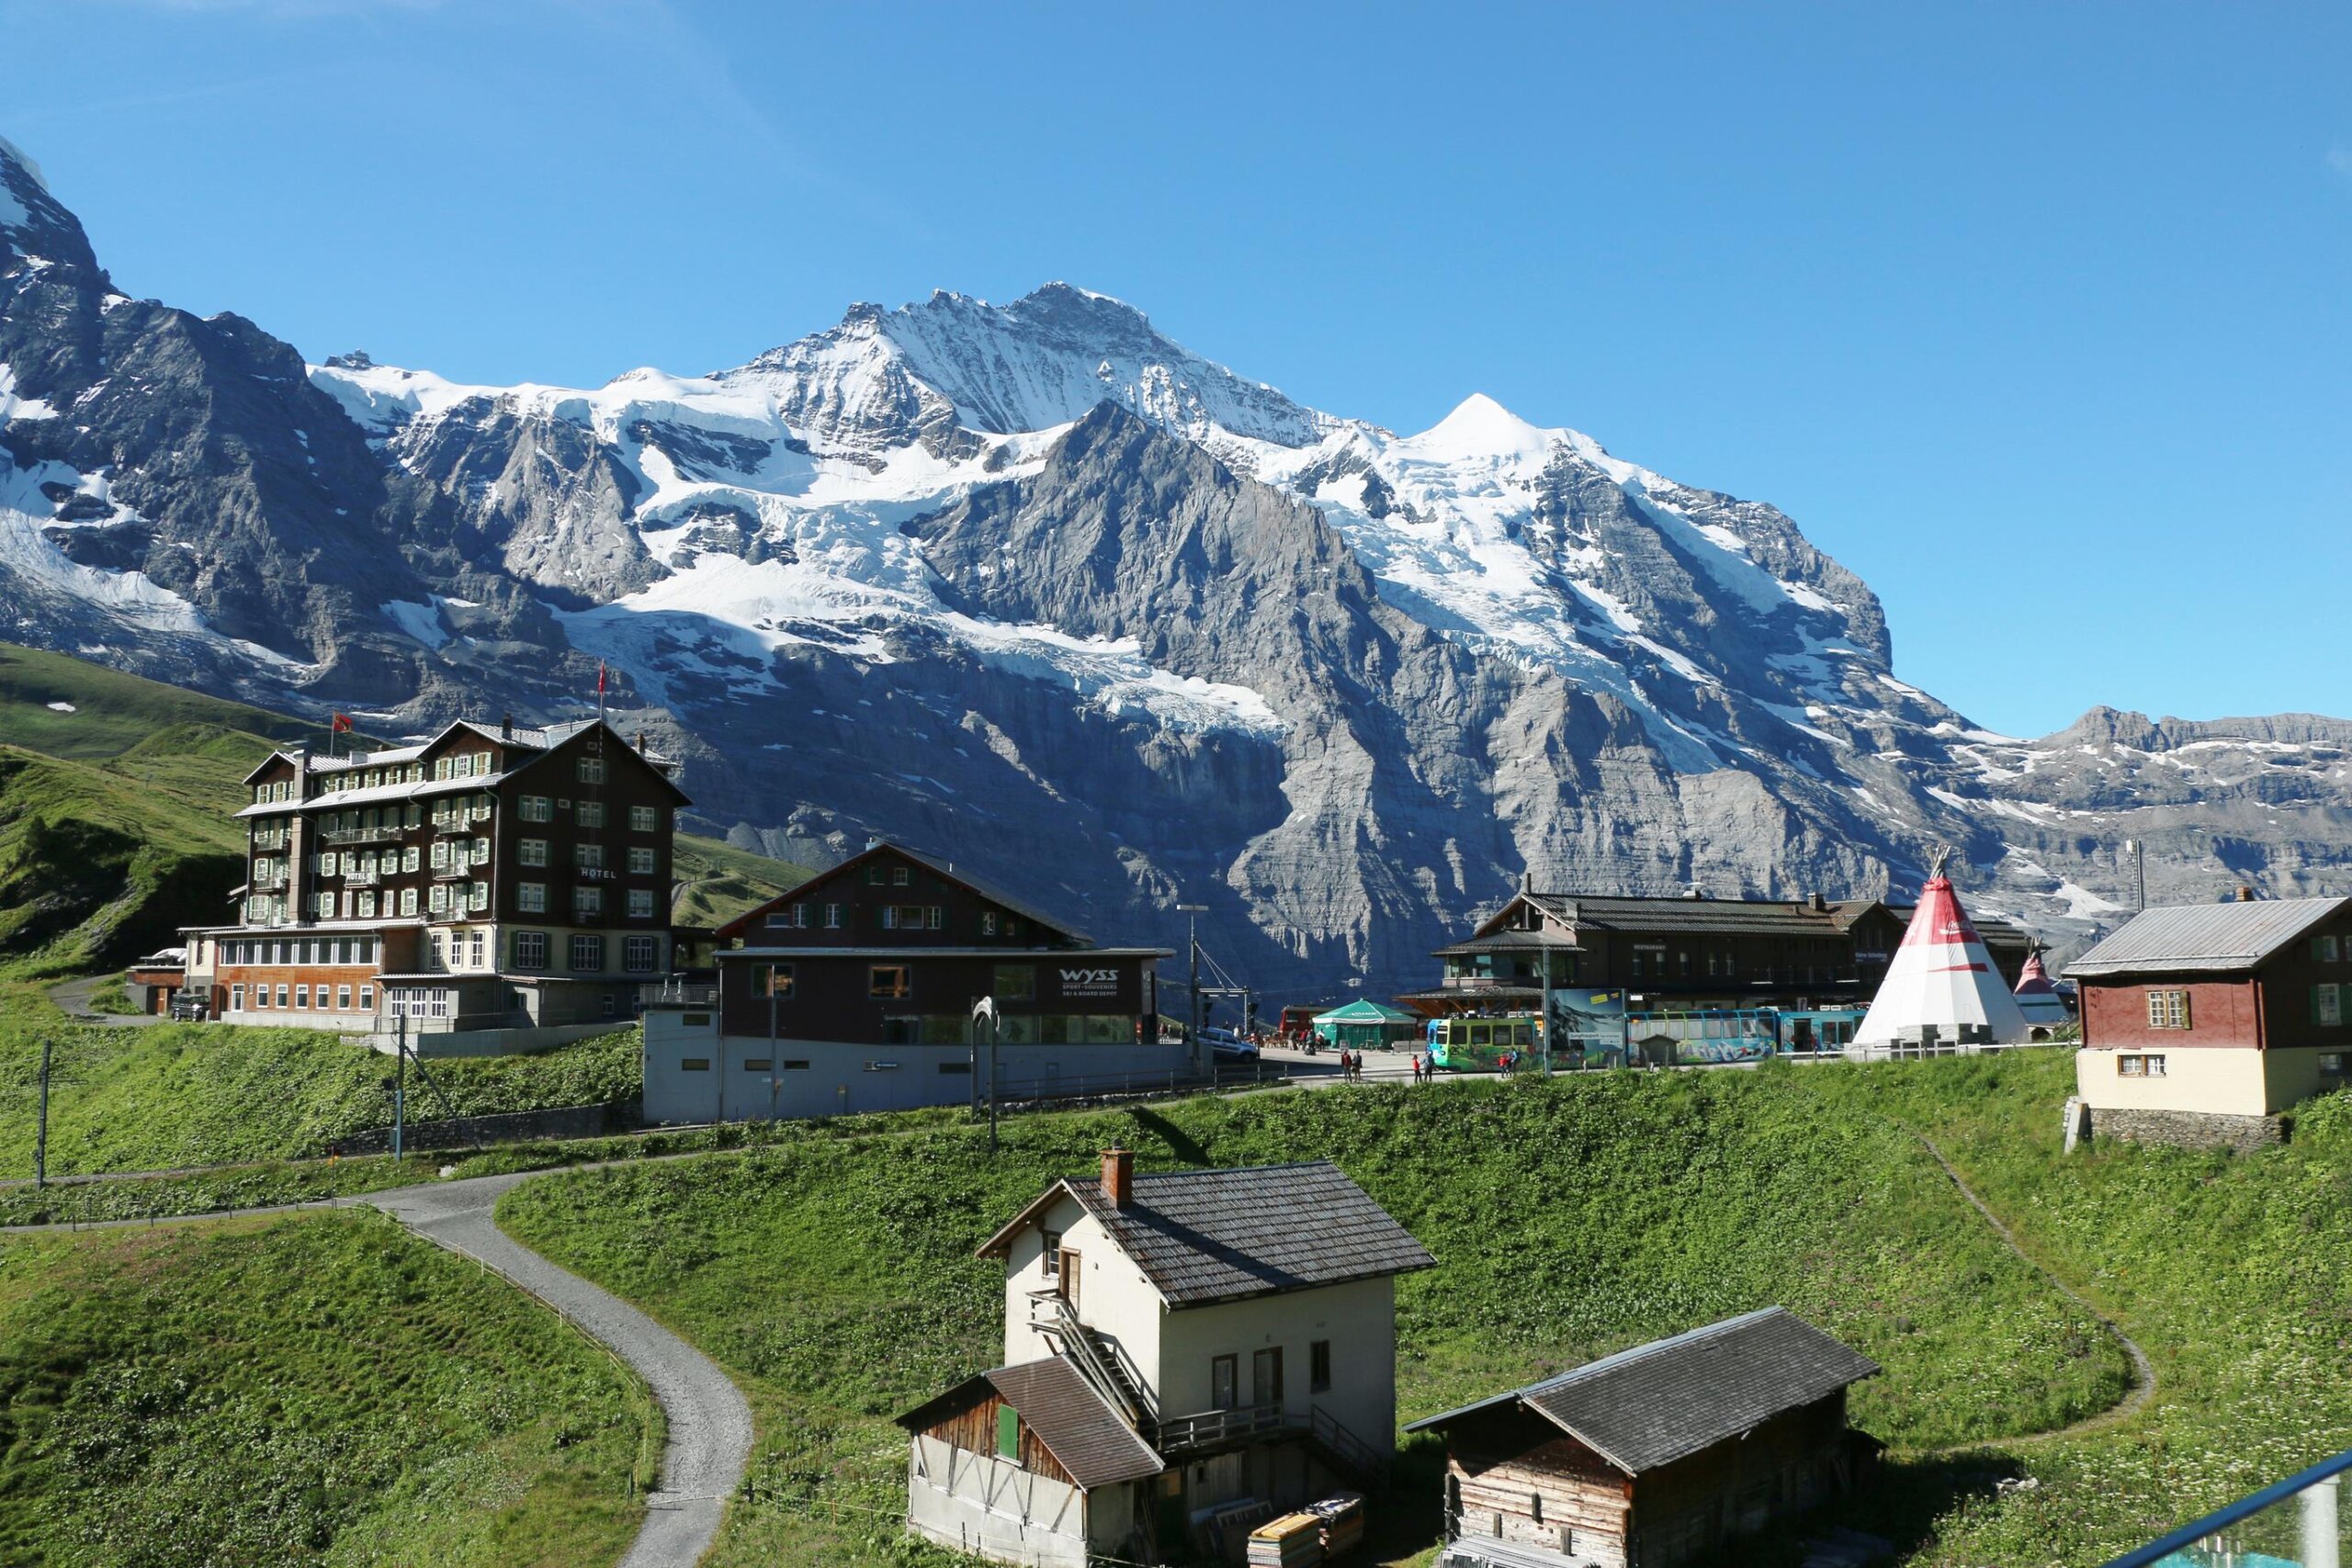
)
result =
(460, 826)
(362, 836)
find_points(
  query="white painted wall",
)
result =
(980, 1503)
(2222, 1081)
(1359, 1320)
(840, 1078)
(1114, 1297)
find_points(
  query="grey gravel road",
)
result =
(73, 999)
(710, 1425)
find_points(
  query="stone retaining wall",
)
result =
(507, 1127)
(2188, 1129)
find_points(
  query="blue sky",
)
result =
(2035, 316)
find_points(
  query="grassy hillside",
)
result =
(2233, 1274)
(1569, 1218)
(200, 1094)
(103, 861)
(70, 708)
(318, 1390)
(717, 881)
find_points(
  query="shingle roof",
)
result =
(1035, 917)
(1078, 1427)
(1086, 1437)
(1202, 1237)
(1648, 1406)
(2204, 937)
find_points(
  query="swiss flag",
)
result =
(600, 677)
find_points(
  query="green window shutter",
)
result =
(1008, 1431)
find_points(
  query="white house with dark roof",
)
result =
(1233, 1329)
(1656, 1456)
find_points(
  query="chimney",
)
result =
(506, 727)
(1527, 881)
(1119, 1177)
(2245, 893)
(1816, 903)
(874, 844)
(640, 740)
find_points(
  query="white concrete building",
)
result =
(1185, 1354)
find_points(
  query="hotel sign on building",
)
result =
(855, 991)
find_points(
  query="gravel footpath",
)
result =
(710, 1425)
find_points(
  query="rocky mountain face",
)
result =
(1036, 589)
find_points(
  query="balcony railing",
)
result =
(459, 827)
(1216, 1428)
(362, 835)
(273, 839)
(453, 873)
(2296, 1521)
(269, 883)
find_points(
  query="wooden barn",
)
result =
(1656, 1456)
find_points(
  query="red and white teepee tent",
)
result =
(2037, 999)
(1942, 979)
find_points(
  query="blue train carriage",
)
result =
(1822, 1031)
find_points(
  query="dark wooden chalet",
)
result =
(856, 991)
(1654, 1457)
(1684, 953)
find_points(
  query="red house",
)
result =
(2203, 1023)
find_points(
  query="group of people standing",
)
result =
(1352, 1066)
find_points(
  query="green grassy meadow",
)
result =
(323, 1388)
(2234, 1274)
(834, 1277)
(186, 1094)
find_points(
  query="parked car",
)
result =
(1224, 1045)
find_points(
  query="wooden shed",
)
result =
(1656, 1456)
(1029, 1464)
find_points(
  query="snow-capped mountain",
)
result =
(1036, 587)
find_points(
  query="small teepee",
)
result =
(1942, 979)
(2037, 999)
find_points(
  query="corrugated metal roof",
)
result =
(2204, 938)
(1648, 1406)
(1202, 1237)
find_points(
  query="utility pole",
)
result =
(1193, 913)
(2139, 848)
(40, 1135)
(772, 1027)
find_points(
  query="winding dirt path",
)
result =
(2143, 1372)
(710, 1440)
